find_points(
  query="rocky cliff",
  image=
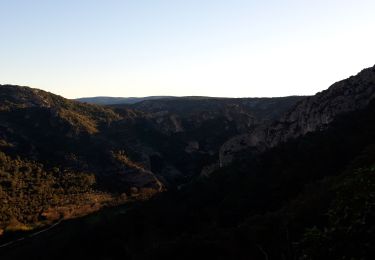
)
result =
(311, 114)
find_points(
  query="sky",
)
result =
(231, 48)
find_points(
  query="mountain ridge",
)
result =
(107, 100)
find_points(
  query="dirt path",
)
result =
(31, 235)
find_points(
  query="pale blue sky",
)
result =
(232, 48)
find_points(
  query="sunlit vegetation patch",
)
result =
(30, 194)
(122, 158)
(83, 123)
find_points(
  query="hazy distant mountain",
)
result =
(117, 100)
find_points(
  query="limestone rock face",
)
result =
(311, 114)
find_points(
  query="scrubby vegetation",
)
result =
(28, 190)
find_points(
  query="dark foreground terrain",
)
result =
(290, 178)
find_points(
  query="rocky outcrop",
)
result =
(311, 114)
(23, 97)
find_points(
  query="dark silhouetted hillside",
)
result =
(284, 178)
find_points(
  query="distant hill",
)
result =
(118, 100)
(261, 108)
